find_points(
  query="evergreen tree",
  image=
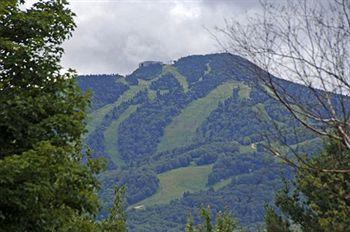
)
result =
(318, 200)
(274, 222)
(206, 216)
(116, 221)
(224, 223)
(190, 224)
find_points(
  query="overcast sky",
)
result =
(113, 36)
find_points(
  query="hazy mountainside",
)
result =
(185, 135)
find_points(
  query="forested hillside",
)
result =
(188, 135)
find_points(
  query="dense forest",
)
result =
(197, 112)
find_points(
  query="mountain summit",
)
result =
(188, 134)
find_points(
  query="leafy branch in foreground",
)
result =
(44, 183)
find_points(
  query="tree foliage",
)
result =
(274, 222)
(225, 222)
(319, 201)
(43, 189)
(116, 221)
(37, 102)
(44, 184)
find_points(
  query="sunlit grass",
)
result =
(182, 130)
(177, 181)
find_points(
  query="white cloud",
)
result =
(182, 12)
(114, 36)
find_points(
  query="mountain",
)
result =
(186, 135)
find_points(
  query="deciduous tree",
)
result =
(44, 184)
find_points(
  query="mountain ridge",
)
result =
(200, 110)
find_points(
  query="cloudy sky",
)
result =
(113, 36)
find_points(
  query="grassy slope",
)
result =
(177, 181)
(95, 118)
(208, 70)
(182, 130)
(180, 78)
(221, 184)
(244, 91)
(111, 135)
